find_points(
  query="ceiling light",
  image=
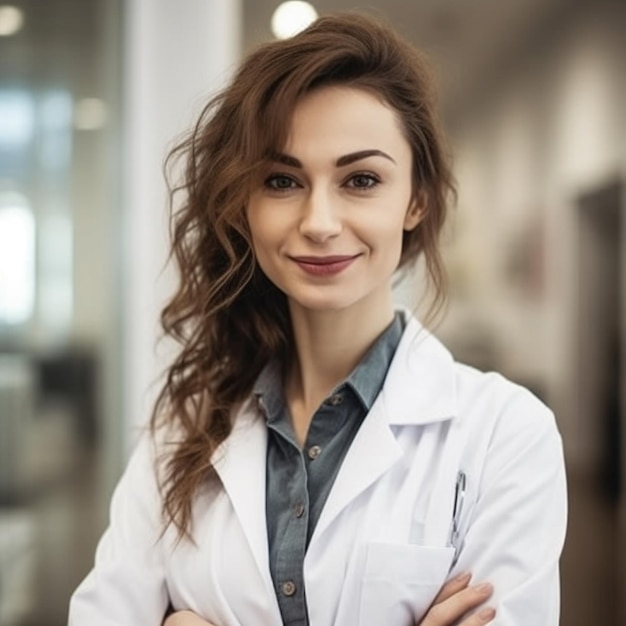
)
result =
(11, 20)
(291, 17)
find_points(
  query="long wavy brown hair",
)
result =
(227, 316)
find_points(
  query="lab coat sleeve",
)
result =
(516, 531)
(127, 584)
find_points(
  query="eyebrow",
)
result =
(342, 161)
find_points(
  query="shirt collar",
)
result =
(365, 381)
(419, 386)
(367, 378)
(268, 390)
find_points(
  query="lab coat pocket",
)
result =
(400, 582)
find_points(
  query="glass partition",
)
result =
(59, 293)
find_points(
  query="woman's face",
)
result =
(328, 213)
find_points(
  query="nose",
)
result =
(320, 217)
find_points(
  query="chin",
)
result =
(322, 305)
(321, 302)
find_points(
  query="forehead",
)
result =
(340, 119)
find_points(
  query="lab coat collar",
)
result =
(420, 386)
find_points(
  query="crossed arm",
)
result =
(456, 598)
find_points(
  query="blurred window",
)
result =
(17, 259)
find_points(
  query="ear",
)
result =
(416, 211)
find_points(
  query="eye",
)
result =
(280, 182)
(362, 180)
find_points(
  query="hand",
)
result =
(455, 599)
(185, 618)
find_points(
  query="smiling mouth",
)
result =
(324, 265)
(324, 260)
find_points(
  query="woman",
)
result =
(317, 456)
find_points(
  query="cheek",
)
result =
(387, 232)
(259, 248)
(386, 243)
(257, 226)
(264, 242)
(264, 239)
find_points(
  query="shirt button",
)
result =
(335, 400)
(299, 509)
(288, 588)
(314, 452)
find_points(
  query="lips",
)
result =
(324, 265)
(324, 260)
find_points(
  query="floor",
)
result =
(592, 563)
(66, 519)
(63, 520)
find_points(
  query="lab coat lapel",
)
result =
(373, 451)
(240, 463)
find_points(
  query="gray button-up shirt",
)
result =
(300, 479)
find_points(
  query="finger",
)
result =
(453, 586)
(484, 616)
(448, 611)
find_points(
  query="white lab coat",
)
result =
(382, 546)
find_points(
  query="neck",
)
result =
(329, 345)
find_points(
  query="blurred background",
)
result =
(533, 97)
